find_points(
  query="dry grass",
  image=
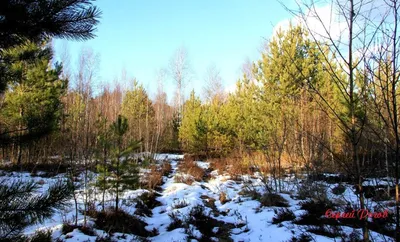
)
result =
(250, 191)
(223, 198)
(237, 165)
(181, 178)
(180, 204)
(218, 165)
(122, 222)
(273, 200)
(283, 214)
(190, 167)
(153, 179)
(166, 168)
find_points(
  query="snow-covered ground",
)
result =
(250, 221)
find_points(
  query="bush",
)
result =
(210, 203)
(150, 199)
(315, 214)
(87, 230)
(273, 200)
(250, 191)
(381, 195)
(236, 169)
(104, 239)
(317, 208)
(68, 228)
(327, 231)
(121, 222)
(41, 236)
(176, 222)
(180, 204)
(282, 215)
(166, 168)
(205, 224)
(218, 164)
(355, 236)
(191, 168)
(91, 210)
(302, 238)
(182, 178)
(314, 190)
(153, 179)
(223, 198)
(142, 209)
(338, 190)
(47, 169)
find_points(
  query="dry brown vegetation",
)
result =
(154, 179)
(223, 198)
(122, 222)
(184, 179)
(233, 166)
(189, 166)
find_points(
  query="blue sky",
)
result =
(142, 36)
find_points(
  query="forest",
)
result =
(306, 148)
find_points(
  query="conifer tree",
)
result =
(38, 19)
(193, 129)
(122, 172)
(32, 103)
(20, 206)
(102, 153)
(138, 109)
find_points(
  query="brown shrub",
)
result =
(188, 158)
(273, 200)
(250, 191)
(190, 167)
(206, 225)
(91, 210)
(233, 165)
(150, 199)
(283, 214)
(218, 164)
(184, 179)
(122, 222)
(223, 198)
(68, 227)
(154, 178)
(176, 222)
(166, 168)
(180, 204)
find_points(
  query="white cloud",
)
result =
(231, 88)
(320, 21)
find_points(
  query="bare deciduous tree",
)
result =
(180, 71)
(213, 84)
(346, 30)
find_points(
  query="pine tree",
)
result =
(34, 20)
(193, 130)
(32, 104)
(290, 116)
(102, 154)
(138, 109)
(122, 172)
(20, 206)
(39, 20)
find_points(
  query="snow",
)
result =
(238, 210)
